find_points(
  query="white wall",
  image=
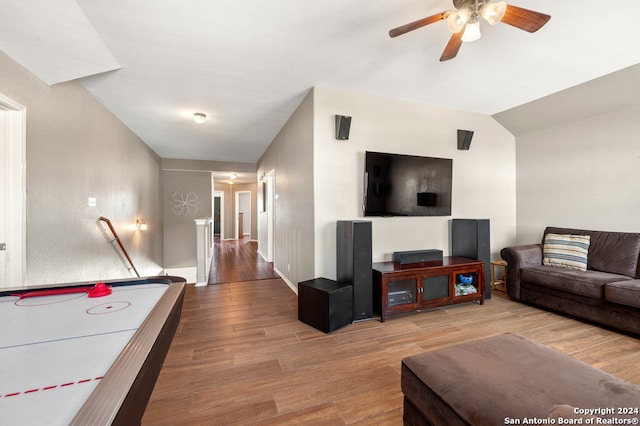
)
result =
(291, 156)
(186, 197)
(77, 149)
(483, 177)
(584, 174)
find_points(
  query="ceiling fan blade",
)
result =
(453, 46)
(418, 24)
(524, 19)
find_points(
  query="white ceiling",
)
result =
(248, 63)
(613, 92)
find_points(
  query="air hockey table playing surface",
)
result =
(69, 358)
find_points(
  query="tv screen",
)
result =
(407, 185)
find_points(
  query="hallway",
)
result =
(238, 260)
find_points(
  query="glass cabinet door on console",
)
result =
(396, 293)
(403, 292)
(435, 287)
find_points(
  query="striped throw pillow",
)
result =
(566, 251)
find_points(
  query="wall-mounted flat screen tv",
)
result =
(407, 185)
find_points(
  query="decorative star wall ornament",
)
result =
(185, 203)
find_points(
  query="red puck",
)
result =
(100, 290)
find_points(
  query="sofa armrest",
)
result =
(518, 257)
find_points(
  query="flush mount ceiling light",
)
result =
(199, 117)
(464, 22)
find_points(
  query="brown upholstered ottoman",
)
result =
(503, 380)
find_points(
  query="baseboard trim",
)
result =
(190, 274)
(291, 285)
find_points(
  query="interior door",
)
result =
(216, 215)
(243, 205)
(12, 193)
(3, 202)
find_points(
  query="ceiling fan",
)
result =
(464, 22)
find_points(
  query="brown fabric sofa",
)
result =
(608, 292)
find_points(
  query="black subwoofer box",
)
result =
(354, 264)
(471, 238)
(417, 256)
(325, 304)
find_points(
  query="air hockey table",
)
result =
(85, 353)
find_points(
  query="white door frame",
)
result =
(13, 189)
(237, 210)
(271, 191)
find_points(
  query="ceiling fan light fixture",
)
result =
(472, 31)
(493, 12)
(464, 21)
(457, 20)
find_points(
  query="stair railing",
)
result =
(117, 239)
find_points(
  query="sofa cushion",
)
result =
(615, 252)
(624, 292)
(566, 251)
(587, 283)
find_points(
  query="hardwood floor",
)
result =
(238, 260)
(240, 356)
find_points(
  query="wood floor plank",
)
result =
(370, 406)
(294, 360)
(324, 414)
(335, 389)
(157, 409)
(239, 412)
(267, 385)
(370, 361)
(389, 418)
(272, 350)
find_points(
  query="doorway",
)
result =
(12, 187)
(218, 215)
(243, 214)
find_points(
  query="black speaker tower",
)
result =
(354, 264)
(343, 124)
(471, 238)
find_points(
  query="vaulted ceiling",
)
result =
(247, 64)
